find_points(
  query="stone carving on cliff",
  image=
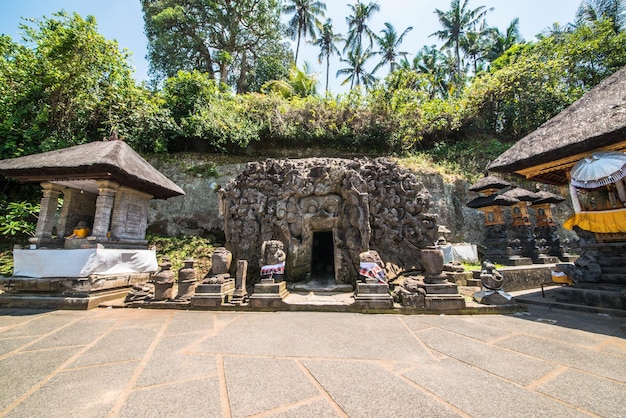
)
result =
(365, 204)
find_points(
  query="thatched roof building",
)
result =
(104, 160)
(597, 121)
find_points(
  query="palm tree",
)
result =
(595, 10)
(305, 17)
(456, 22)
(501, 42)
(389, 43)
(326, 41)
(431, 62)
(357, 24)
(475, 43)
(355, 71)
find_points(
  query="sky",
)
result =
(122, 20)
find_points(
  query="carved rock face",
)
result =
(365, 204)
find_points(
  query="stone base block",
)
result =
(518, 261)
(268, 295)
(460, 278)
(214, 294)
(440, 288)
(444, 302)
(547, 260)
(473, 282)
(93, 283)
(487, 297)
(67, 301)
(373, 296)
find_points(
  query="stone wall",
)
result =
(197, 213)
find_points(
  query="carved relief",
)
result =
(365, 204)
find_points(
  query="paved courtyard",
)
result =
(168, 363)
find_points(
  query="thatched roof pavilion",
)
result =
(79, 166)
(597, 121)
(106, 187)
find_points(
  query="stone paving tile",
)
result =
(194, 398)
(257, 384)
(118, 345)
(90, 391)
(288, 334)
(482, 394)
(365, 389)
(9, 344)
(189, 321)
(603, 364)
(313, 409)
(21, 371)
(557, 325)
(464, 326)
(509, 365)
(80, 333)
(39, 325)
(600, 396)
(170, 363)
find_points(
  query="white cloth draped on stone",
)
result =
(272, 269)
(372, 271)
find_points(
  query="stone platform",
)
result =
(66, 292)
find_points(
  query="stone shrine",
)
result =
(326, 212)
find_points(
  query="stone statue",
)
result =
(220, 266)
(492, 281)
(273, 260)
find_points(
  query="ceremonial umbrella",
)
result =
(600, 169)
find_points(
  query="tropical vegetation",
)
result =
(225, 80)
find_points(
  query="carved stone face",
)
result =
(365, 203)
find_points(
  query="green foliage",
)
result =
(6, 259)
(18, 218)
(179, 249)
(217, 37)
(72, 87)
(202, 170)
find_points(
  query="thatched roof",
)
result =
(597, 120)
(105, 160)
(489, 182)
(547, 197)
(491, 200)
(521, 194)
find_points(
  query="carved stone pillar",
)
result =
(104, 206)
(49, 202)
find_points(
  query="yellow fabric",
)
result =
(605, 222)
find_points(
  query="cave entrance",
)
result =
(323, 257)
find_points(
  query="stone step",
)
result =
(591, 297)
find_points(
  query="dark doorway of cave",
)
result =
(323, 257)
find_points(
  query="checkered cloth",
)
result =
(271, 269)
(373, 271)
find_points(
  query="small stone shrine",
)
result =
(95, 244)
(218, 285)
(326, 212)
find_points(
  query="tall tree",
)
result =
(356, 73)
(500, 42)
(594, 10)
(357, 25)
(213, 36)
(389, 44)
(327, 42)
(304, 20)
(431, 62)
(455, 23)
(70, 86)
